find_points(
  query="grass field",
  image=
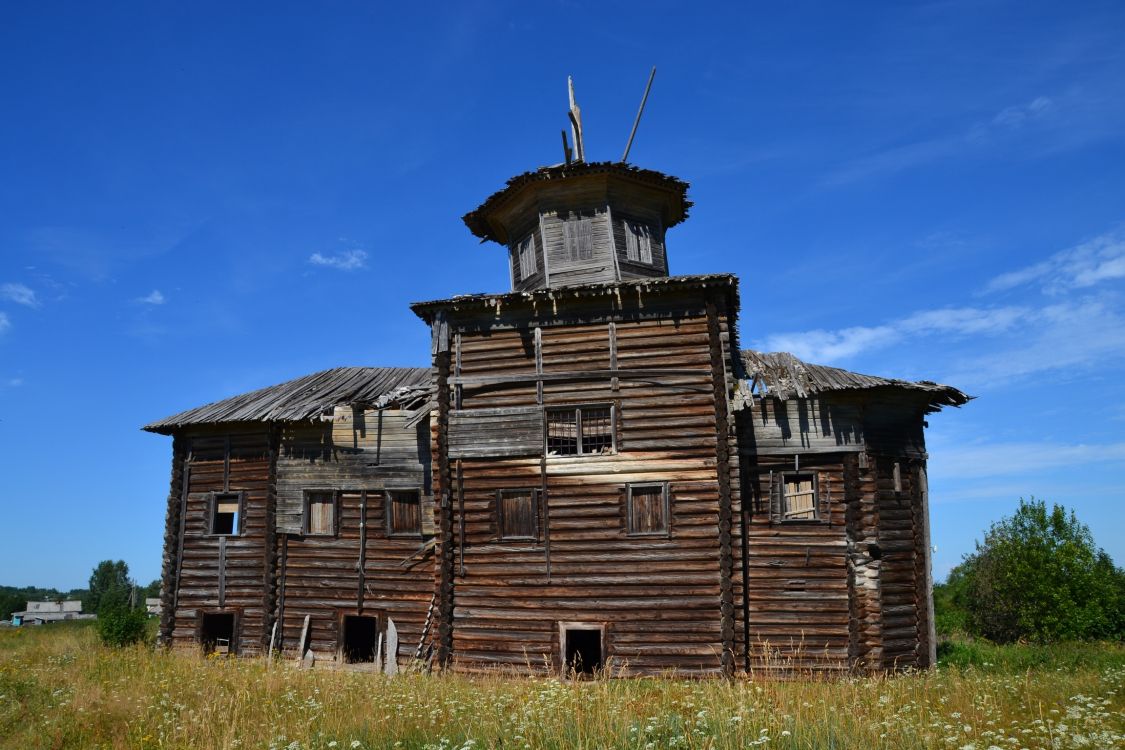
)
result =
(60, 688)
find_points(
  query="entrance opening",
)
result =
(217, 632)
(583, 650)
(361, 635)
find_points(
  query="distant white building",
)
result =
(40, 613)
(152, 605)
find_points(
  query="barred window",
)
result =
(577, 431)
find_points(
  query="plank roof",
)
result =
(782, 375)
(303, 398)
(477, 222)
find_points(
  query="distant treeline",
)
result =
(15, 599)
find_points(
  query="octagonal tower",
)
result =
(583, 223)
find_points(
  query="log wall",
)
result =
(223, 573)
(659, 598)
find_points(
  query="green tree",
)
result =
(119, 626)
(1038, 576)
(110, 586)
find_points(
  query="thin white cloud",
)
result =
(349, 260)
(972, 461)
(829, 346)
(1014, 117)
(5, 323)
(18, 293)
(1094, 262)
(977, 136)
(13, 382)
(156, 297)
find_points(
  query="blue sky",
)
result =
(201, 199)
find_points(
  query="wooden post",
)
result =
(445, 559)
(722, 456)
(173, 541)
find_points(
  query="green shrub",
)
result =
(121, 626)
(1037, 576)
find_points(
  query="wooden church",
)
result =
(590, 475)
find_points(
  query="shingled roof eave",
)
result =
(300, 399)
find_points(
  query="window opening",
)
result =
(578, 238)
(638, 242)
(798, 498)
(216, 632)
(583, 650)
(225, 509)
(404, 512)
(580, 431)
(648, 508)
(523, 258)
(517, 514)
(320, 514)
(361, 638)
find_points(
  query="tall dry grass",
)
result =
(60, 688)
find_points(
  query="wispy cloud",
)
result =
(5, 323)
(1064, 336)
(18, 293)
(156, 297)
(976, 460)
(1098, 260)
(828, 346)
(13, 382)
(978, 135)
(349, 260)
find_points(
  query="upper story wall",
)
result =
(877, 420)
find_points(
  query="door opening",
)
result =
(216, 632)
(583, 650)
(360, 639)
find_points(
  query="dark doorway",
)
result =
(360, 638)
(583, 650)
(216, 632)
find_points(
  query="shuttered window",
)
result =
(798, 497)
(582, 430)
(517, 514)
(320, 512)
(578, 239)
(638, 242)
(647, 508)
(524, 263)
(226, 509)
(404, 512)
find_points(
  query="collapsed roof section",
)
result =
(310, 397)
(783, 376)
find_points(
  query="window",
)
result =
(638, 242)
(404, 513)
(578, 238)
(798, 497)
(578, 431)
(226, 507)
(647, 508)
(360, 638)
(320, 512)
(517, 514)
(524, 263)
